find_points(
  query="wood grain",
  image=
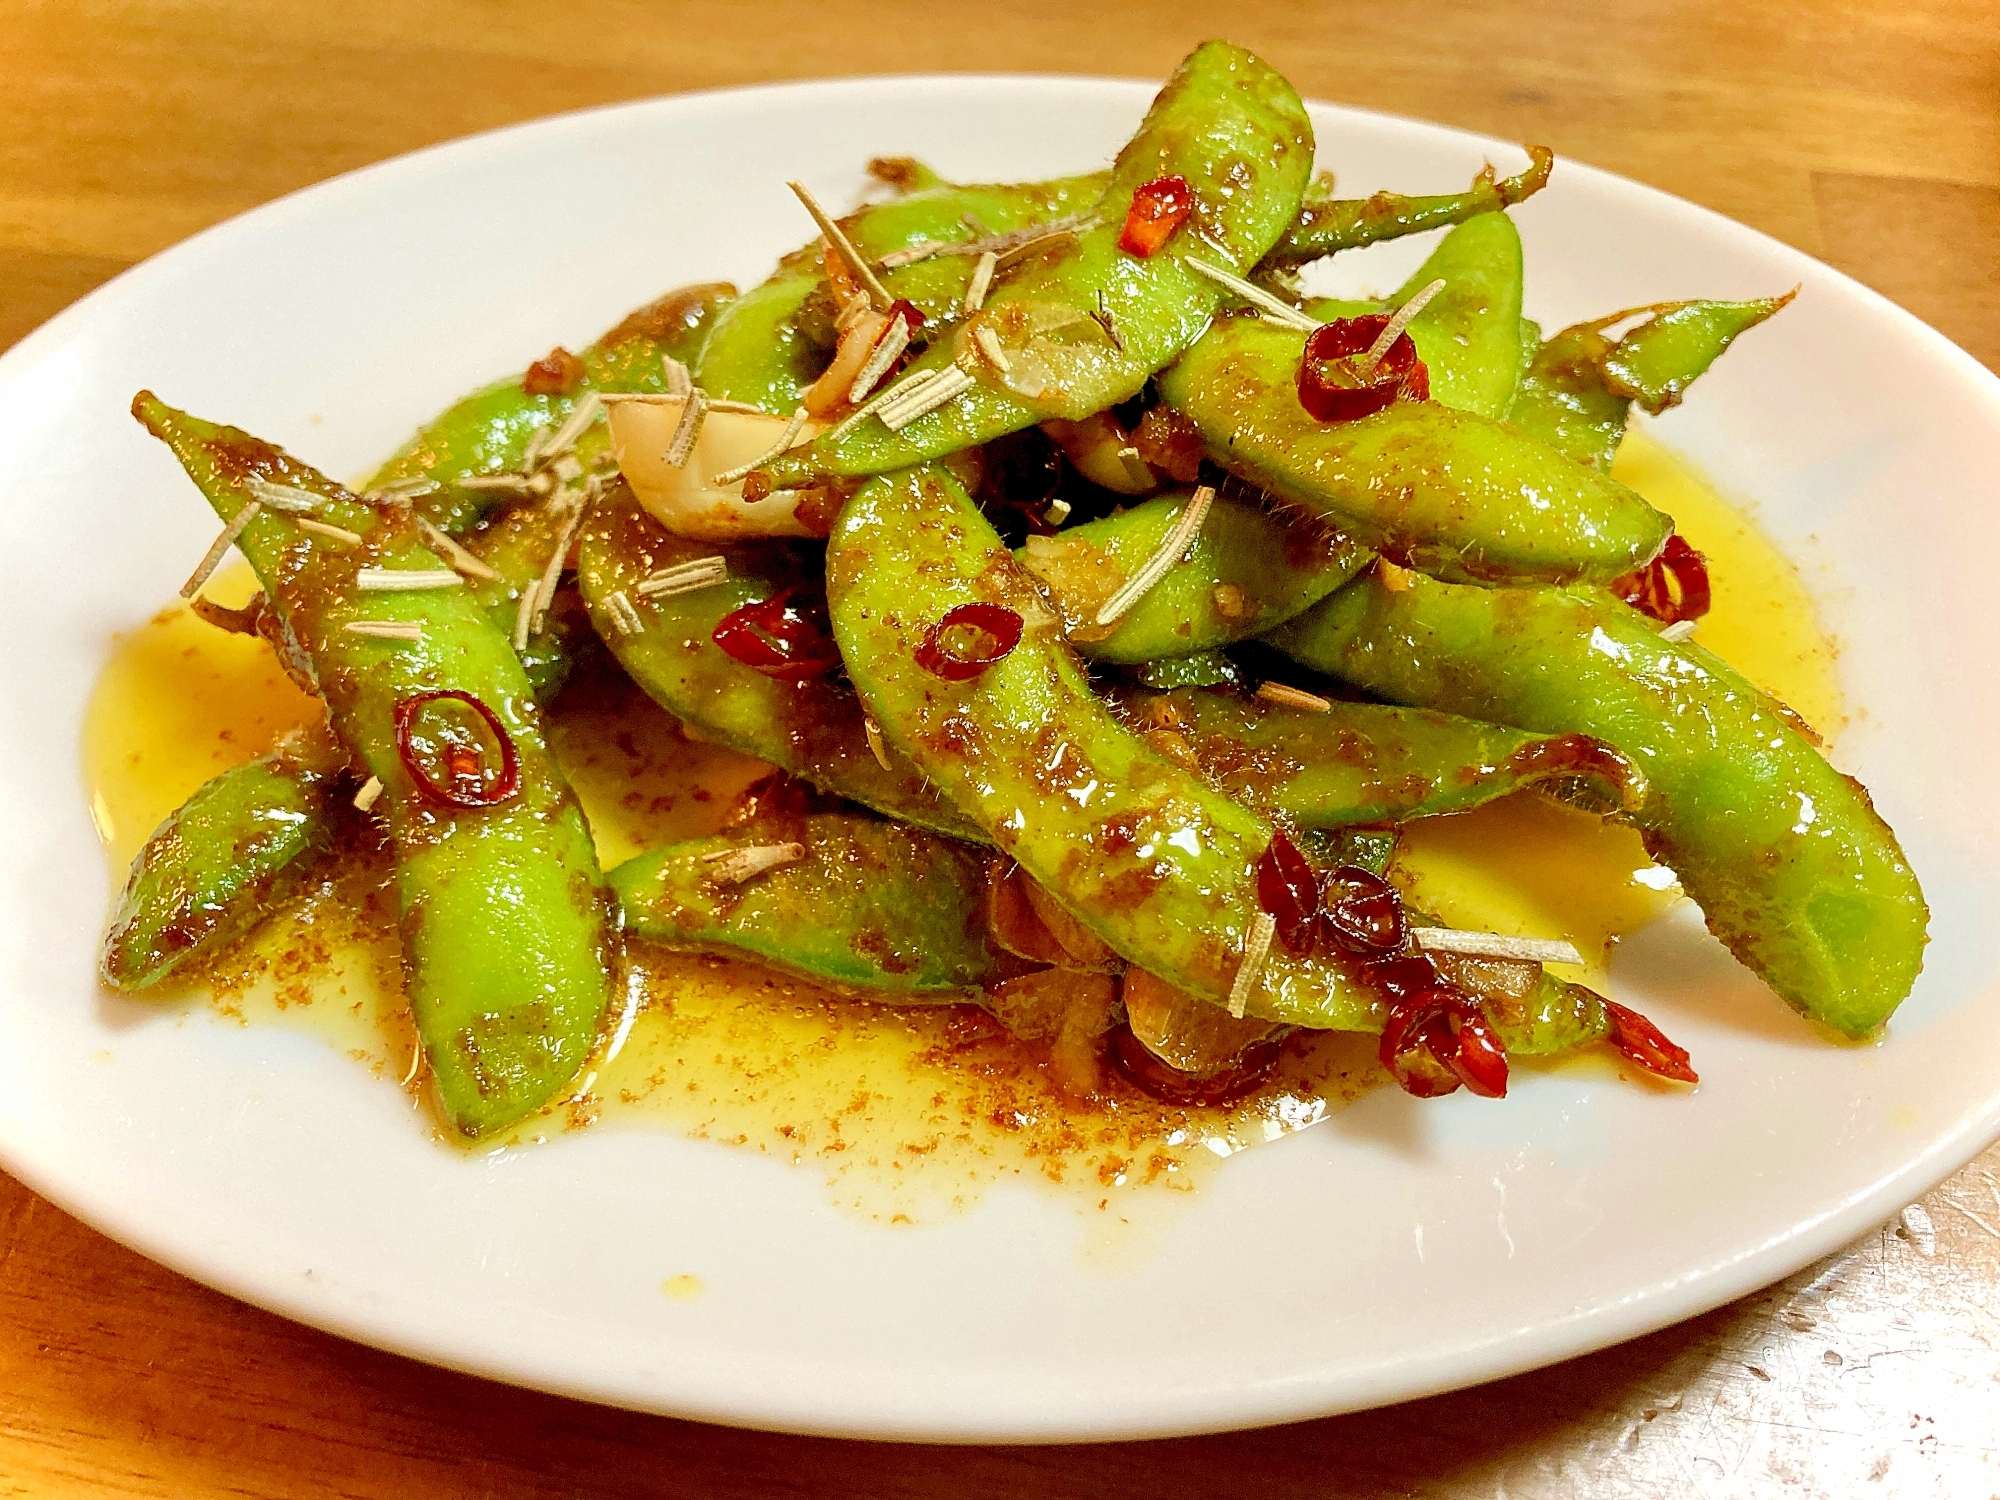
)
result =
(1863, 131)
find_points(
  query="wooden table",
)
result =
(1866, 132)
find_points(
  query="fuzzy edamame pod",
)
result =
(232, 851)
(1141, 851)
(1361, 763)
(487, 432)
(1331, 224)
(808, 727)
(875, 906)
(1448, 492)
(1469, 334)
(1244, 573)
(763, 350)
(1236, 132)
(251, 835)
(1793, 868)
(1580, 384)
(506, 924)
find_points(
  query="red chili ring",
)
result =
(1158, 208)
(771, 637)
(1672, 587)
(1362, 912)
(1327, 380)
(1289, 891)
(1000, 625)
(1645, 1044)
(495, 792)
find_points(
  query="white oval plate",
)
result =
(1399, 1249)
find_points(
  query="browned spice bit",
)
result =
(1171, 443)
(1229, 601)
(556, 373)
(903, 173)
(1396, 579)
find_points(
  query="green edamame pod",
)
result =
(1580, 384)
(1083, 324)
(506, 925)
(1361, 763)
(1469, 334)
(763, 349)
(758, 353)
(488, 431)
(233, 850)
(1144, 853)
(1655, 363)
(1244, 573)
(1348, 223)
(1563, 401)
(809, 728)
(248, 837)
(877, 906)
(1447, 492)
(954, 216)
(1794, 869)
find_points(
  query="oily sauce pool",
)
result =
(907, 1112)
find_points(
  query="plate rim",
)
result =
(1261, 1405)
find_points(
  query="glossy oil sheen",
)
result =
(1532, 868)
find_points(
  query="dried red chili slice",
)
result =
(1415, 1040)
(1245, 1075)
(1158, 208)
(1472, 1050)
(1672, 587)
(1404, 978)
(912, 315)
(969, 639)
(1333, 389)
(1645, 1044)
(1289, 891)
(467, 785)
(1362, 912)
(775, 638)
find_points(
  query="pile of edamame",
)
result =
(1104, 604)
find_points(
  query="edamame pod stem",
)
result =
(1655, 363)
(1245, 571)
(1469, 334)
(488, 431)
(1793, 868)
(1349, 223)
(1081, 324)
(507, 930)
(765, 350)
(1142, 852)
(1361, 763)
(876, 906)
(237, 847)
(1580, 384)
(1447, 492)
(810, 728)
